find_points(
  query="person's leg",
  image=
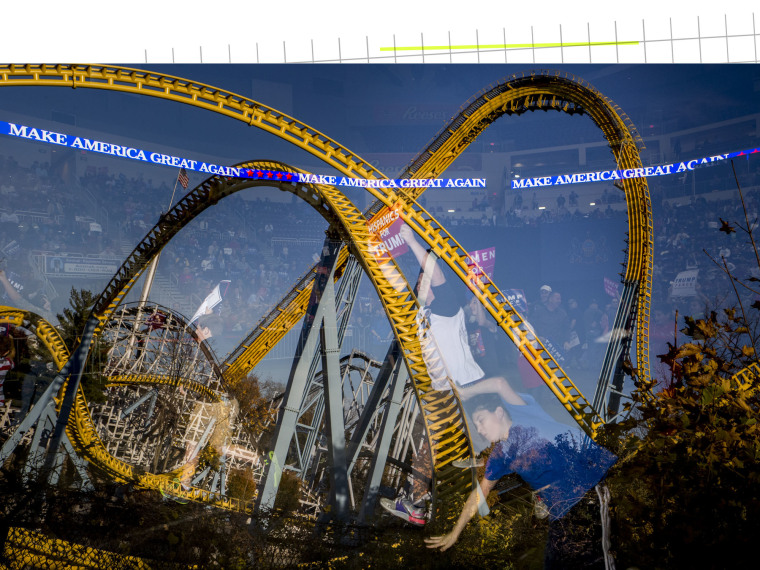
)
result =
(411, 502)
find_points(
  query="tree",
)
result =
(256, 412)
(71, 325)
(74, 317)
(686, 485)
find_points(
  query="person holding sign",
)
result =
(446, 351)
(442, 317)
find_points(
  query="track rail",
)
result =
(197, 94)
(744, 379)
(28, 549)
(515, 95)
(163, 380)
(441, 411)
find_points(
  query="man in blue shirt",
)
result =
(551, 457)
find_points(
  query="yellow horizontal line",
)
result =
(508, 46)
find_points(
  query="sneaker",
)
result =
(404, 509)
(467, 463)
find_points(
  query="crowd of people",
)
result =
(260, 245)
(263, 246)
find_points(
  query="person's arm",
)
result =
(10, 289)
(11, 354)
(470, 508)
(421, 254)
(493, 385)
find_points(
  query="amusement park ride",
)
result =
(337, 417)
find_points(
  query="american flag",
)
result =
(183, 179)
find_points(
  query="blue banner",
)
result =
(644, 172)
(82, 143)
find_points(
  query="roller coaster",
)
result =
(391, 394)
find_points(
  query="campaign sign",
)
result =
(90, 267)
(482, 261)
(63, 265)
(384, 228)
(685, 284)
(11, 248)
(516, 298)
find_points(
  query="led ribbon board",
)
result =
(607, 175)
(82, 143)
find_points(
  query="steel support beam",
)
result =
(346, 296)
(35, 414)
(298, 380)
(619, 345)
(142, 399)
(388, 371)
(77, 360)
(399, 376)
(333, 389)
(34, 461)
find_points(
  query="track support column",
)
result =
(314, 331)
(333, 398)
(399, 376)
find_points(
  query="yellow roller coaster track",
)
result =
(28, 549)
(128, 80)
(442, 411)
(84, 436)
(527, 92)
(163, 380)
(45, 332)
(516, 95)
(561, 91)
(746, 377)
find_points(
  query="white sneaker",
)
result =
(404, 509)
